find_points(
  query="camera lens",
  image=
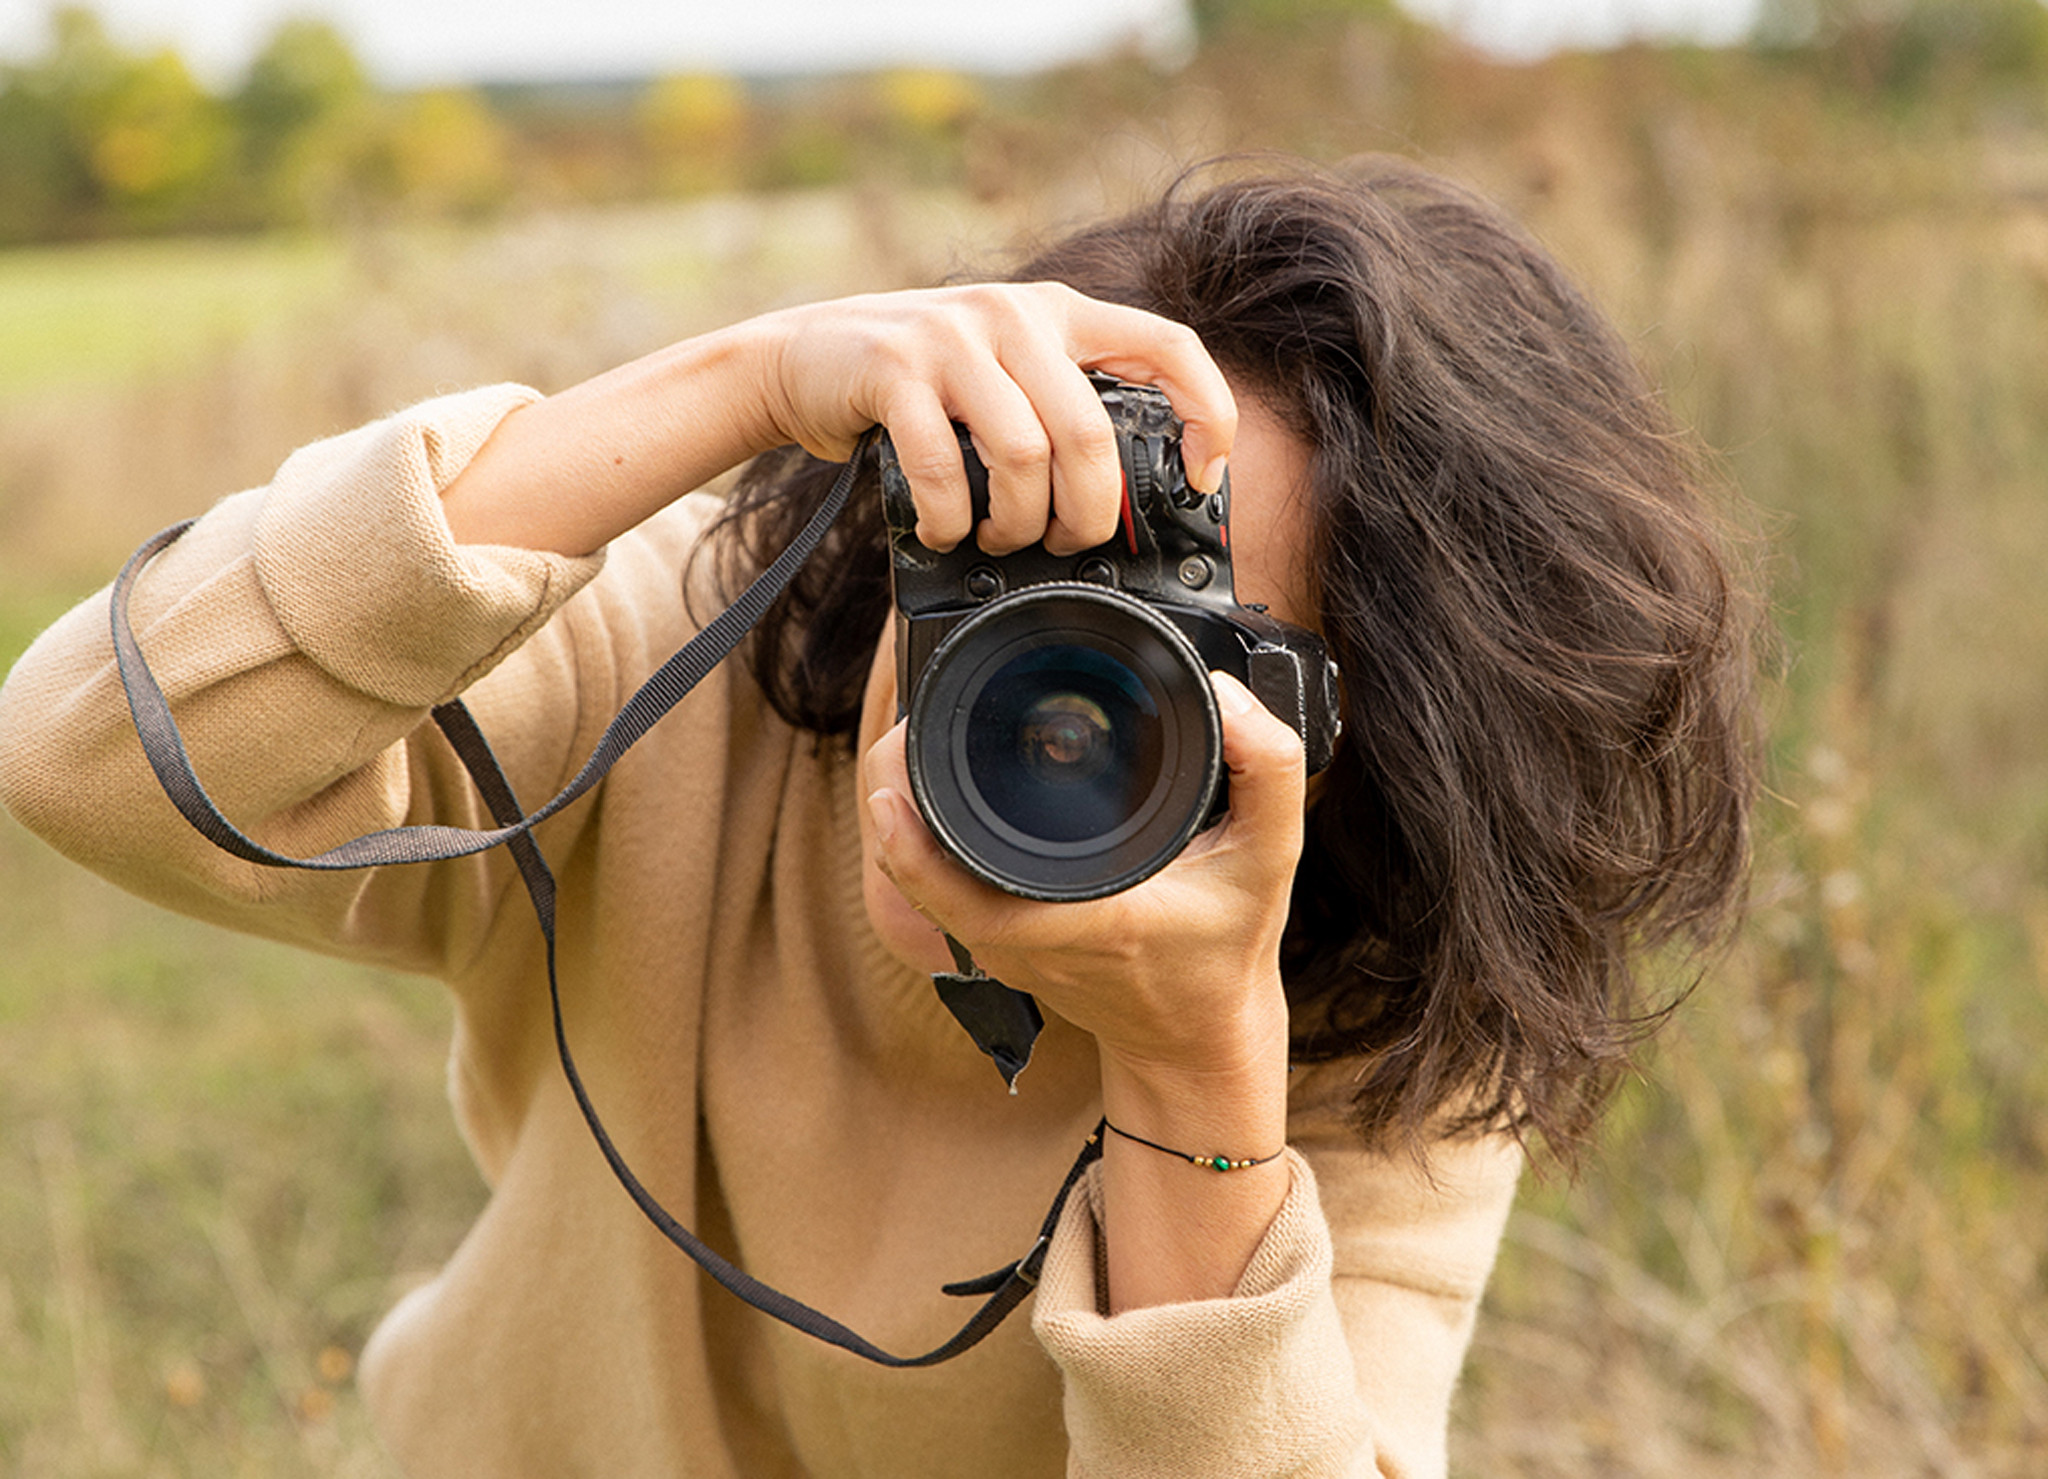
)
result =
(1064, 742)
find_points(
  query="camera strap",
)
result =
(164, 747)
(1003, 1021)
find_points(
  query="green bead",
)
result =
(1221, 1163)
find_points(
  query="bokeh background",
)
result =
(1812, 1241)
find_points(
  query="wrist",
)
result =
(1229, 1099)
(750, 356)
(1177, 1226)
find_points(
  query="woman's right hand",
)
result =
(575, 470)
(1007, 360)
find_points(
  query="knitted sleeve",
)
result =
(1336, 1355)
(300, 632)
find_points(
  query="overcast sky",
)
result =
(409, 42)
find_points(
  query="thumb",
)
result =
(1267, 777)
(904, 848)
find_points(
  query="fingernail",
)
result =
(1212, 474)
(882, 809)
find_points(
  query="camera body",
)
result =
(1064, 741)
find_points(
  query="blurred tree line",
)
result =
(98, 140)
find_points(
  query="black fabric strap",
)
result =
(1005, 1288)
(164, 747)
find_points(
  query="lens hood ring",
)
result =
(1019, 823)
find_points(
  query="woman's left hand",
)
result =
(1178, 979)
(1179, 974)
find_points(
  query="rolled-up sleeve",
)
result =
(356, 562)
(1336, 1355)
(299, 631)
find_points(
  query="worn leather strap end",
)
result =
(1004, 1023)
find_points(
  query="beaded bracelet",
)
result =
(1211, 1162)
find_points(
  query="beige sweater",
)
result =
(783, 1085)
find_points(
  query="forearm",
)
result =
(574, 471)
(1337, 1350)
(1174, 1231)
(1259, 1384)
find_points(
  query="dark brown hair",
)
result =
(1547, 761)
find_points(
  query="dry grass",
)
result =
(1813, 1243)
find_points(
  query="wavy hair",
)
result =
(1544, 627)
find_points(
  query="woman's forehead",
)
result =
(1269, 509)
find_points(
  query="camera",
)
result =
(1063, 740)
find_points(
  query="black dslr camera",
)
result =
(1064, 742)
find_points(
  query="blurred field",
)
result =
(86, 315)
(1813, 1242)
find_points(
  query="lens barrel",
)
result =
(1064, 742)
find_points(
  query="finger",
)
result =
(1149, 350)
(1086, 479)
(928, 450)
(896, 825)
(923, 872)
(1267, 779)
(885, 765)
(1010, 438)
(904, 845)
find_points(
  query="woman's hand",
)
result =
(1179, 975)
(1178, 979)
(575, 470)
(1007, 360)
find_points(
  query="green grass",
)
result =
(90, 315)
(223, 1161)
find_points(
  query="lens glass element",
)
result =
(1065, 739)
(1064, 743)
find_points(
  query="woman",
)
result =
(1369, 989)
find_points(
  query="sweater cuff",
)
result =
(357, 562)
(1258, 1383)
